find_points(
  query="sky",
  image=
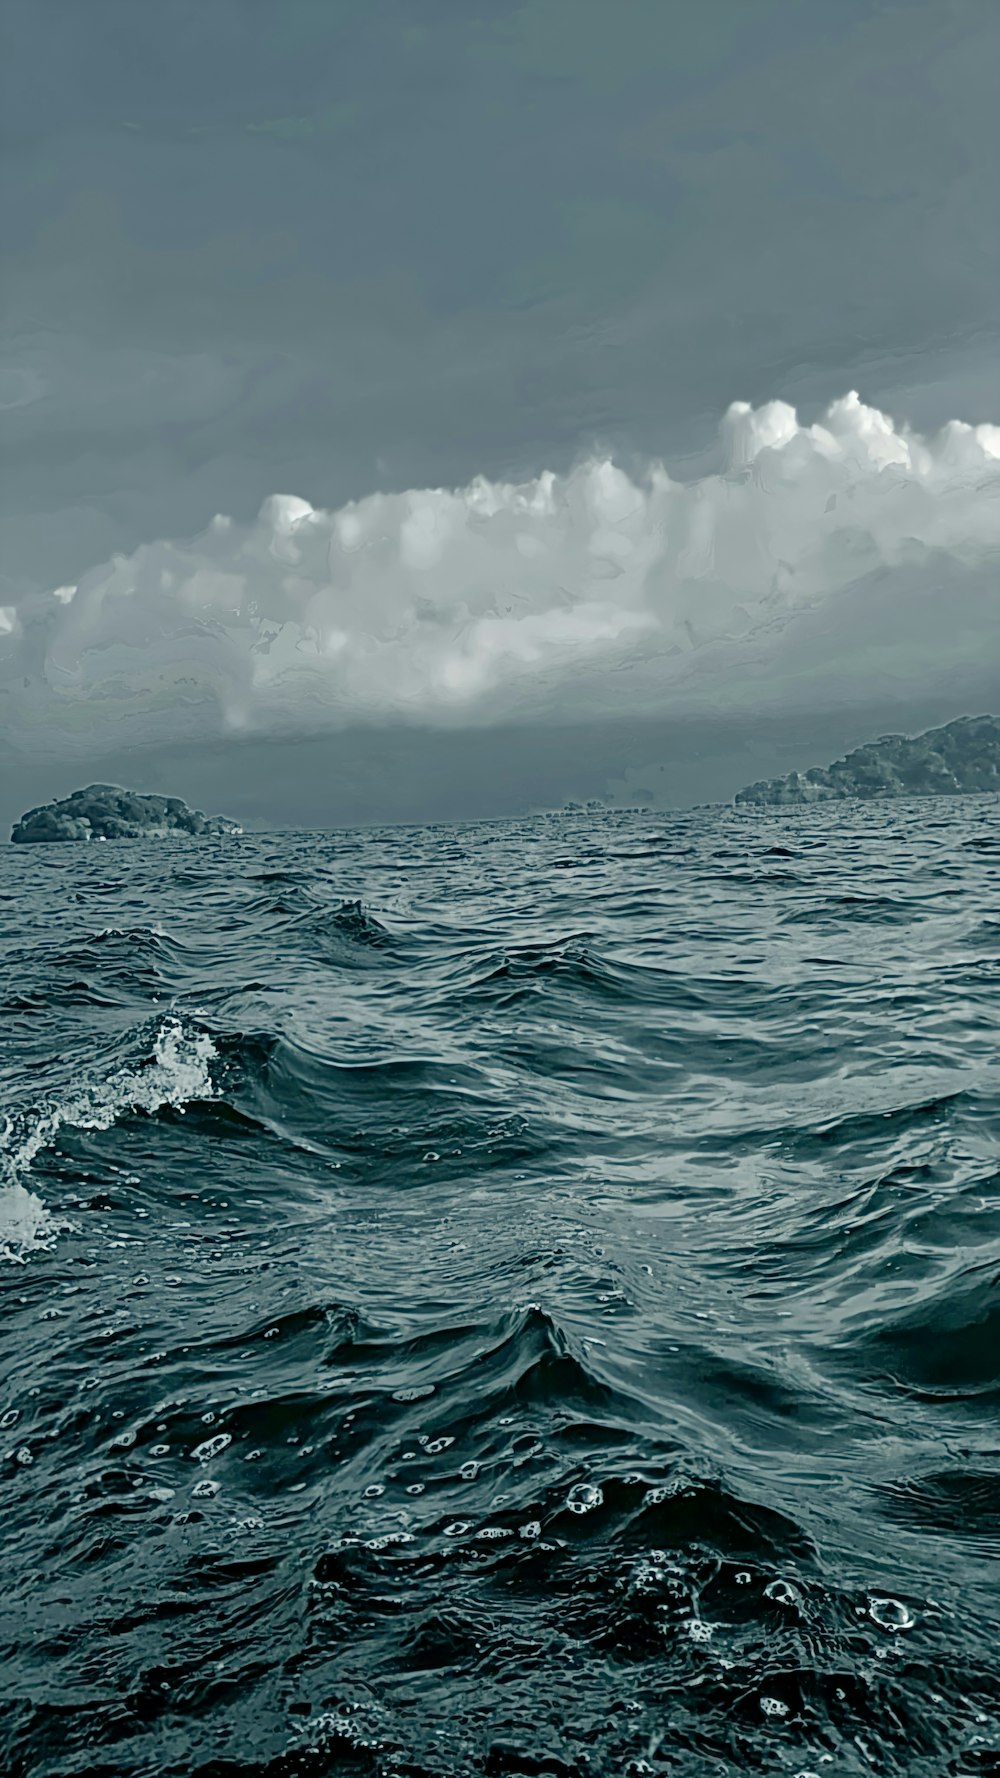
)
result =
(412, 410)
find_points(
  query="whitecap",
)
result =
(178, 1071)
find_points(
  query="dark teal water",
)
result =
(516, 1299)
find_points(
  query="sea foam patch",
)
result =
(177, 1072)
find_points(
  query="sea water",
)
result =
(499, 1299)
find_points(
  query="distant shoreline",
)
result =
(960, 759)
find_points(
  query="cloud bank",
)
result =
(814, 561)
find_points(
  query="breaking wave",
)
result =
(177, 1071)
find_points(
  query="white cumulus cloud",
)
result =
(813, 556)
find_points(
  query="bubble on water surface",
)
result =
(783, 1593)
(890, 1614)
(584, 1497)
(210, 1447)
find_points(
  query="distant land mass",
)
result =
(959, 759)
(106, 812)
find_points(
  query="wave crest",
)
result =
(178, 1070)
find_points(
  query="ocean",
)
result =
(517, 1298)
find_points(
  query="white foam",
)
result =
(179, 1071)
(24, 1222)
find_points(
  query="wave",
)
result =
(344, 934)
(943, 1503)
(573, 972)
(283, 904)
(177, 1070)
(948, 1347)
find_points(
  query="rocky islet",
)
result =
(107, 812)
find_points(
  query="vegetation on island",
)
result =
(106, 812)
(959, 759)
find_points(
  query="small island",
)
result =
(106, 812)
(961, 759)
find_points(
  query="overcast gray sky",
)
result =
(338, 249)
